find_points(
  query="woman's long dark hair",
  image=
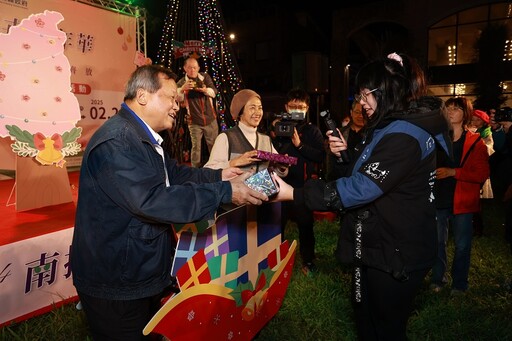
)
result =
(397, 83)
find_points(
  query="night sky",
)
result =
(157, 9)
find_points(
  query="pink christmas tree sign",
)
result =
(37, 108)
(38, 111)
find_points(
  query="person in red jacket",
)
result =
(457, 195)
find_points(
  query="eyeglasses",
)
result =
(453, 108)
(362, 96)
(297, 106)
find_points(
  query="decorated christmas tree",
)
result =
(197, 28)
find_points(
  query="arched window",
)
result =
(453, 42)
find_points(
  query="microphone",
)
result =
(331, 125)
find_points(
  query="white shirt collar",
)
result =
(156, 135)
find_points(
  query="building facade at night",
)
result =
(464, 46)
(445, 36)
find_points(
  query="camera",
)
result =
(197, 84)
(503, 114)
(288, 121)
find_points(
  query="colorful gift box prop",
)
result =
(232, 277)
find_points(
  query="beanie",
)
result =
(482, 114)
(240, 100)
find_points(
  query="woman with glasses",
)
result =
(238, 146)
(389, 222)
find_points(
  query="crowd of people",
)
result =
(417, 168)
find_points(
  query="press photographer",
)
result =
(503, 115)
(295, 136)
(501, 163)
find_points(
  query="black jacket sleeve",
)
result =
(318, 195)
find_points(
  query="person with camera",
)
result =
(295, 136)
(501, 164)
(196, 92)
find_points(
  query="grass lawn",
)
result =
(319, 308)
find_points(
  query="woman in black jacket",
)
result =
(389, 227)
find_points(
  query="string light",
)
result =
(507, 55)
(452, 54)
(206, 19)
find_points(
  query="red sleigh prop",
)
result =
(218, 298)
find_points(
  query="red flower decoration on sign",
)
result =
(2, 76)
(40, 23)
(26, 46)
(25, 98)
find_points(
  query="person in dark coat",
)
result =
(130, 194)
(389, 225)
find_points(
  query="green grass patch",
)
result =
(319, 307)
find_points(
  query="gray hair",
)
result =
(147, 77)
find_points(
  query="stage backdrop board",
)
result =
(35, 275)
(101, 47)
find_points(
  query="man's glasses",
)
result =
(297, 106)
(362, 96)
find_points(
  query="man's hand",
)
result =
(495, 125)
(230, 173)
(202, 89)
(295, 138)
(243, 194)
(188, 85)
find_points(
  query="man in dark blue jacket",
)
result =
(130, 193)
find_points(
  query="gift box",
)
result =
(280, 158)
(262, 182)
